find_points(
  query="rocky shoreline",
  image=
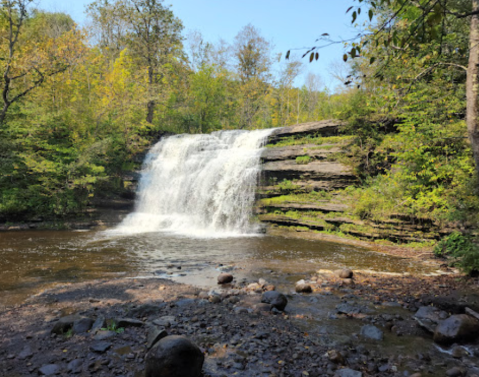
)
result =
(334, 324)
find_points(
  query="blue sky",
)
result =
(288, 24)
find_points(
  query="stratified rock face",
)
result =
(174, 356)
(331, 174)
(323, 128)
(458, 328)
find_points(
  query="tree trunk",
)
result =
(150, 111)
(472, 85)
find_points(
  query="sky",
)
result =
(288, 24)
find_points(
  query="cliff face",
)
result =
(305, 172)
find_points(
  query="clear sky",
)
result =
(288, 24)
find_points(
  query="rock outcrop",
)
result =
(313, 157)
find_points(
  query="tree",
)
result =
(404, 25)
(253, 62)
(26, 62)
(149, 30)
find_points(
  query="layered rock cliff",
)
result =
(305, 174)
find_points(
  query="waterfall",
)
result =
(201, 185)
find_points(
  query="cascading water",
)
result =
(202, 185)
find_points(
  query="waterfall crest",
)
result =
(202, 185)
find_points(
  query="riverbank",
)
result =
(345, 327)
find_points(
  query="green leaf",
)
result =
(372, 60)
(287, 54)
(371, 14)
(311, 57)
(345, 57)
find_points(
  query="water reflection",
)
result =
(31, 261)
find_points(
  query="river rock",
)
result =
(348, 373)
(100, 323)
(345, 273)
(428, 317)
(49, 370)
(225, 278)
(100, 347)
(262, 307)
(128, 322)
(82, 325)
(303, 287)
(276, 299)
(372, 332)
(336, 357)
(65, 323)
(75, 366)
(174, 356)
(155, 334)
(457, 328)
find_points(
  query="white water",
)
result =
(200, 185)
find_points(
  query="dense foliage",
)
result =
(82, 105)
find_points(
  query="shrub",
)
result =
(463, 250)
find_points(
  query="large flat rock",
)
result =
(313, 171)
(323, 128)
(291, 152)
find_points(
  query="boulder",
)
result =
(225, 278)
(428, 317)
(174, 356)
(276, 299)
(82, 325)
(155, 334)
(146, 310)
(65, 323)
(372, 332)
(457, 328)
(345, 273)
(303, 287)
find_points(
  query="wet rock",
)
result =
(345, 273)
(128, 322)
(145, 310)
(459, 352)
(154, 335)
(457, 329)
(454, 372)
(225, 278)
(25, 353)
(49, 370)
(372, 332)
(75, 366)
(65, 323)
(82, 325)
(100, 346)
(276, 299)
(428, 317)
(348, 373)
(174, 356)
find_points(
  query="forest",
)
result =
(79, 103)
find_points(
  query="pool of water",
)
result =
(31, 261)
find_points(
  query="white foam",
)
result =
(199, 185)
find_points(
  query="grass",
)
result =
(303, 160)
(113, 327)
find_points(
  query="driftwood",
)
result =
(472, 313)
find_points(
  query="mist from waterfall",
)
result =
(199, 185)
